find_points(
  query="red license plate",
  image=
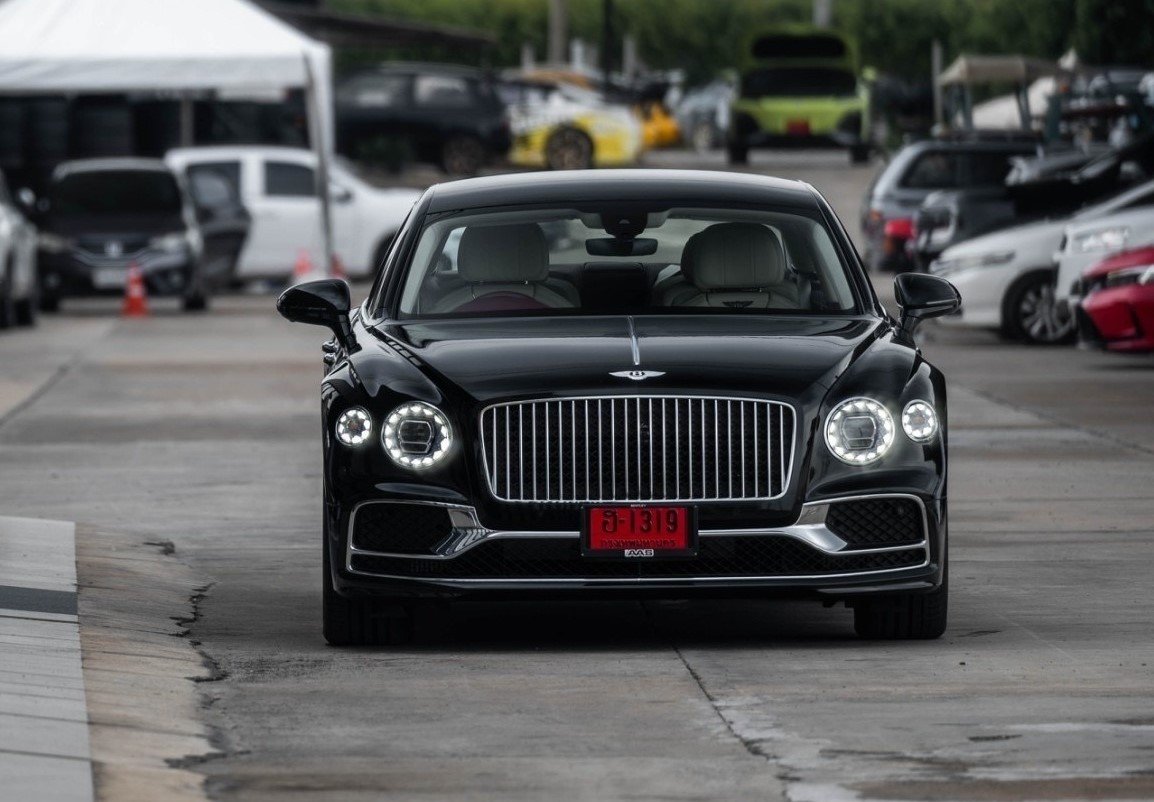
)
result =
(639, 532)
(797, 128)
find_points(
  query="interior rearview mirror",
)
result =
(921, 296)
(325, 302)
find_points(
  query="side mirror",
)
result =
(921, 296)
(323, 303)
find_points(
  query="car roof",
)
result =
(679, 187)
(99, 165)
(417, 67)
(236, 151)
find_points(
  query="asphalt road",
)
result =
(204, 431)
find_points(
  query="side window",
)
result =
(989, 169)
(214, 184)
(374, 91)
(443, 91)
(287, 180)
(934, 170)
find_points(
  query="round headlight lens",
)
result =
(859, 431)
(354, 427)
(417, 435)
(920, 421)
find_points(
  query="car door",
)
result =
(287, 217)
(220, 213)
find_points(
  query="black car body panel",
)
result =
(804, 365)
(381, 110)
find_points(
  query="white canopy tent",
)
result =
(112, 46)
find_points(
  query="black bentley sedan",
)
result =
(636, 383)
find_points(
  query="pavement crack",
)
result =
(751, 746)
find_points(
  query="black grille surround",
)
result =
(399, 528)
(719, 556)
(876, 522)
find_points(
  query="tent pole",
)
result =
(187, 125)
(317, 137)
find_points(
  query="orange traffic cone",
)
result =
(303, 268)
(135, 294)
(338, 268)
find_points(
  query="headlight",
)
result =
(1105, 239)
(53, 243)
(920, 421)
(354, 427)
(1143, 274)
(957, 264)
(417, 435)
(170, 243)
(859, 431)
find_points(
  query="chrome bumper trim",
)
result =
(809, 528)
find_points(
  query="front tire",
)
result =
(26, 311)
(859, 154)
(360, 622)
(1031, 314)
(569, 149)
(197, 302)
(737, 152)
(463, 155)
(911, 616)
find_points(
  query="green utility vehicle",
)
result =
(800, 89)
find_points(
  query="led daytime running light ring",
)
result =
(442, 435)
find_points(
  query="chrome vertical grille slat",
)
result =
(624, 441)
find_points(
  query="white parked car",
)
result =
(1085, 243)
(18, 290)
(278, 187)
(1007, 277)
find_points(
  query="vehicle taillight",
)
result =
(899, 228)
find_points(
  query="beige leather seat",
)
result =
(504, 268)
(735, 266)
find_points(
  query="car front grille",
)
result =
(718, 556)
(638, 448)
(876, 522)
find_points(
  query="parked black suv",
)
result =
(1052, 185)
(101, 216)
(973, 163)
(443, 115)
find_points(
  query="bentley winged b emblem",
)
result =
(637, 375)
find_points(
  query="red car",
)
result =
(1116, 310)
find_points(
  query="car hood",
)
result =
(507, 358)
(1042, 236)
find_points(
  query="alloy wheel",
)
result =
(1040, 317)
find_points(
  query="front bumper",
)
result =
(1117, 319)
(77, 273)
(813, 556)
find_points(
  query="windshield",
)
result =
(626, 260)
(798, 82)
(116, 192)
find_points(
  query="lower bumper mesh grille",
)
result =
(400, 528)
(560, 558)
(876, 522)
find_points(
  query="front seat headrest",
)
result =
(503, 254)
(737, 256)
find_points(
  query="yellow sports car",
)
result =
(564, 127)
